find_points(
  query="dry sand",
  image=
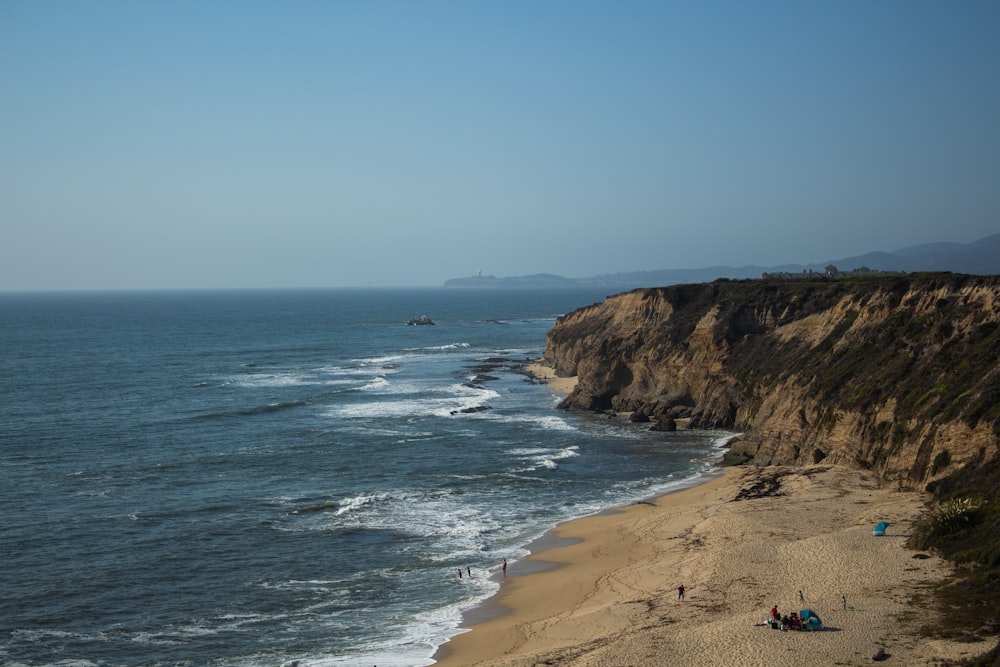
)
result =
(612, 598)
(548, 376)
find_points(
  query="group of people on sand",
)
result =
(784, 621)
(791, 621)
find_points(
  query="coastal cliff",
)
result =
(899, 375)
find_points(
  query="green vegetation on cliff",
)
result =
(963, 525)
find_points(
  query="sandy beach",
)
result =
(547, 375)
(747, 540)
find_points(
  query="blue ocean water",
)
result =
(252, 477)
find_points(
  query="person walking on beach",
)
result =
(505, 567)
(801, 599)
(680, 592)
(843, 601)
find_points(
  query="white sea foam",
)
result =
(418, 437)
(333, 585)
(319, 377)
(333, 376)
(457, 527)
(366, 429)
(547, 422)
(68, 662)
(454, 400)
(527, 451)
(514, 352)
(722, 442)
(382, 361)
(396, 388)
(351, 504)
(270, 380)
(437, 348)
(540, 457)
(423, 634)
(209, 628)
(377, 384)
(351, 371)
(37, 635)
(427, 630)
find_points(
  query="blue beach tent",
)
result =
(810, 621)
(879, 530)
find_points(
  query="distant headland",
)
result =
(979, 258)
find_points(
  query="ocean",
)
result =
(255, 477)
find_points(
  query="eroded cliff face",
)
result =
(900, 375)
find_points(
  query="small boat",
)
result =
(419, 320)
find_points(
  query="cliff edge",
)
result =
(899, 375)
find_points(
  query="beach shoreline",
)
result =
(603, 590)
(547, 375)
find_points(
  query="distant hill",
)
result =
(979, 258)
(534, 280)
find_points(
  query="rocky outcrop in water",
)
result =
(899, 374)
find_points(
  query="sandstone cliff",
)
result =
(900, 375)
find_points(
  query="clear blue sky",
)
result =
(211, 143)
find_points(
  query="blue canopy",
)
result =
(879, 530)
(810, 620)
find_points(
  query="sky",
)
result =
(339, 143)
